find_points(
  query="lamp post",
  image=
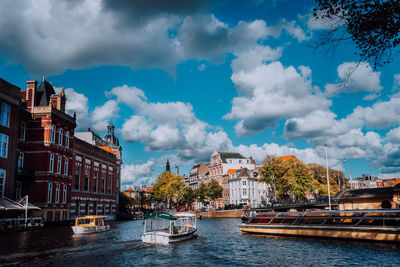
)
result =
(327, 176)
(344, 175)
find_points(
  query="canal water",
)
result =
(218, 243)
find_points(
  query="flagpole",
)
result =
(327, 176)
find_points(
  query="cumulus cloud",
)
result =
(157, 35)
(255, 56)
(393, 136)
(102, 114)
(272, 92)
(168, 126)
(138, 173)
(355, 77)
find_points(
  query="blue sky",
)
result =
(180, 79)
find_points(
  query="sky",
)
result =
(180, 79)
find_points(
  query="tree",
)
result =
(271, 171)
(169, 187)
(335, 177)
(201, 192)
(125, 202)
(214, 190)
(374, 26)
(188, 196)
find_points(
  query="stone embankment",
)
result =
(222, 214)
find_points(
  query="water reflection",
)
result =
(219, 242)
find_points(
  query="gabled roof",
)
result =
(43, 93)
(230, 155)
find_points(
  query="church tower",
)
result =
(167, 166)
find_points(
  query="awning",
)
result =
(159, 215)
(8, 204)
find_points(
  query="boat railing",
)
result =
(383, 218)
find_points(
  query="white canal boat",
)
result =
(164, 228)
(90, 224)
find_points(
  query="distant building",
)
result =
(367, 181)
(245, 188)
(220, 163)
(196, 175)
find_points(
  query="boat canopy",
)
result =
(159, 215)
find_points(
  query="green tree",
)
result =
(272, 172)
(201, 192)
(125, 202)
(188, 196)
(374, 26)
(168, 187)
(214, 190)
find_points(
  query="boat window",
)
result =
(318, 214)
(349, 214)
(284, 221)
(85, 221)
(372, 222)
(349, 221)
(267, 214)
(333, 221)
(392, 222)
(289, 214)
(384, 214)
(312, 221)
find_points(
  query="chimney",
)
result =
(30, 94)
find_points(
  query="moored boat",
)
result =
(90, 224)
(378, 225)
(164, 228)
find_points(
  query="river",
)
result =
(219, 242)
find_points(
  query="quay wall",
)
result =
(222, 214)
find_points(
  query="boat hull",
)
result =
(159, 237)
(79, 230)
(359, 233)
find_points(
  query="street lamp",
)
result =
(327, 176)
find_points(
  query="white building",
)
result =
(366, 181)
(245, 188)
(220, 163)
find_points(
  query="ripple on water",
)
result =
(219, 242)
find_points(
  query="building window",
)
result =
(87, 173)
(77, 176)
(65, 194)
(53, 133)
(57, 193)
(66, 166)
(22, 131)
(5, 115)
(51, 163)
(49, 192)
(59, 164)
(60, 136)
(3, 145)
(109, 183)
(95, 177)
(17, 191)
(244, 182)
(67, 139)
(2, 181)
(20, 163)
(244, 191)
(103, 181)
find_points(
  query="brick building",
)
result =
(97, 170)
(10, 100)
(39, 155)
(45, 153)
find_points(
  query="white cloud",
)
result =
(255, 56)
(291, 28)
(102, 114)
(396, 83)
(272, 92)
(138, 173)
(355, 77)
(393, 136)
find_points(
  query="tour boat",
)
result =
(377, 225)
(90, 224)
(164, 228)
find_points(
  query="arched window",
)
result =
(60, 136)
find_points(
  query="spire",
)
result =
(167, 166)
(176, 169)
